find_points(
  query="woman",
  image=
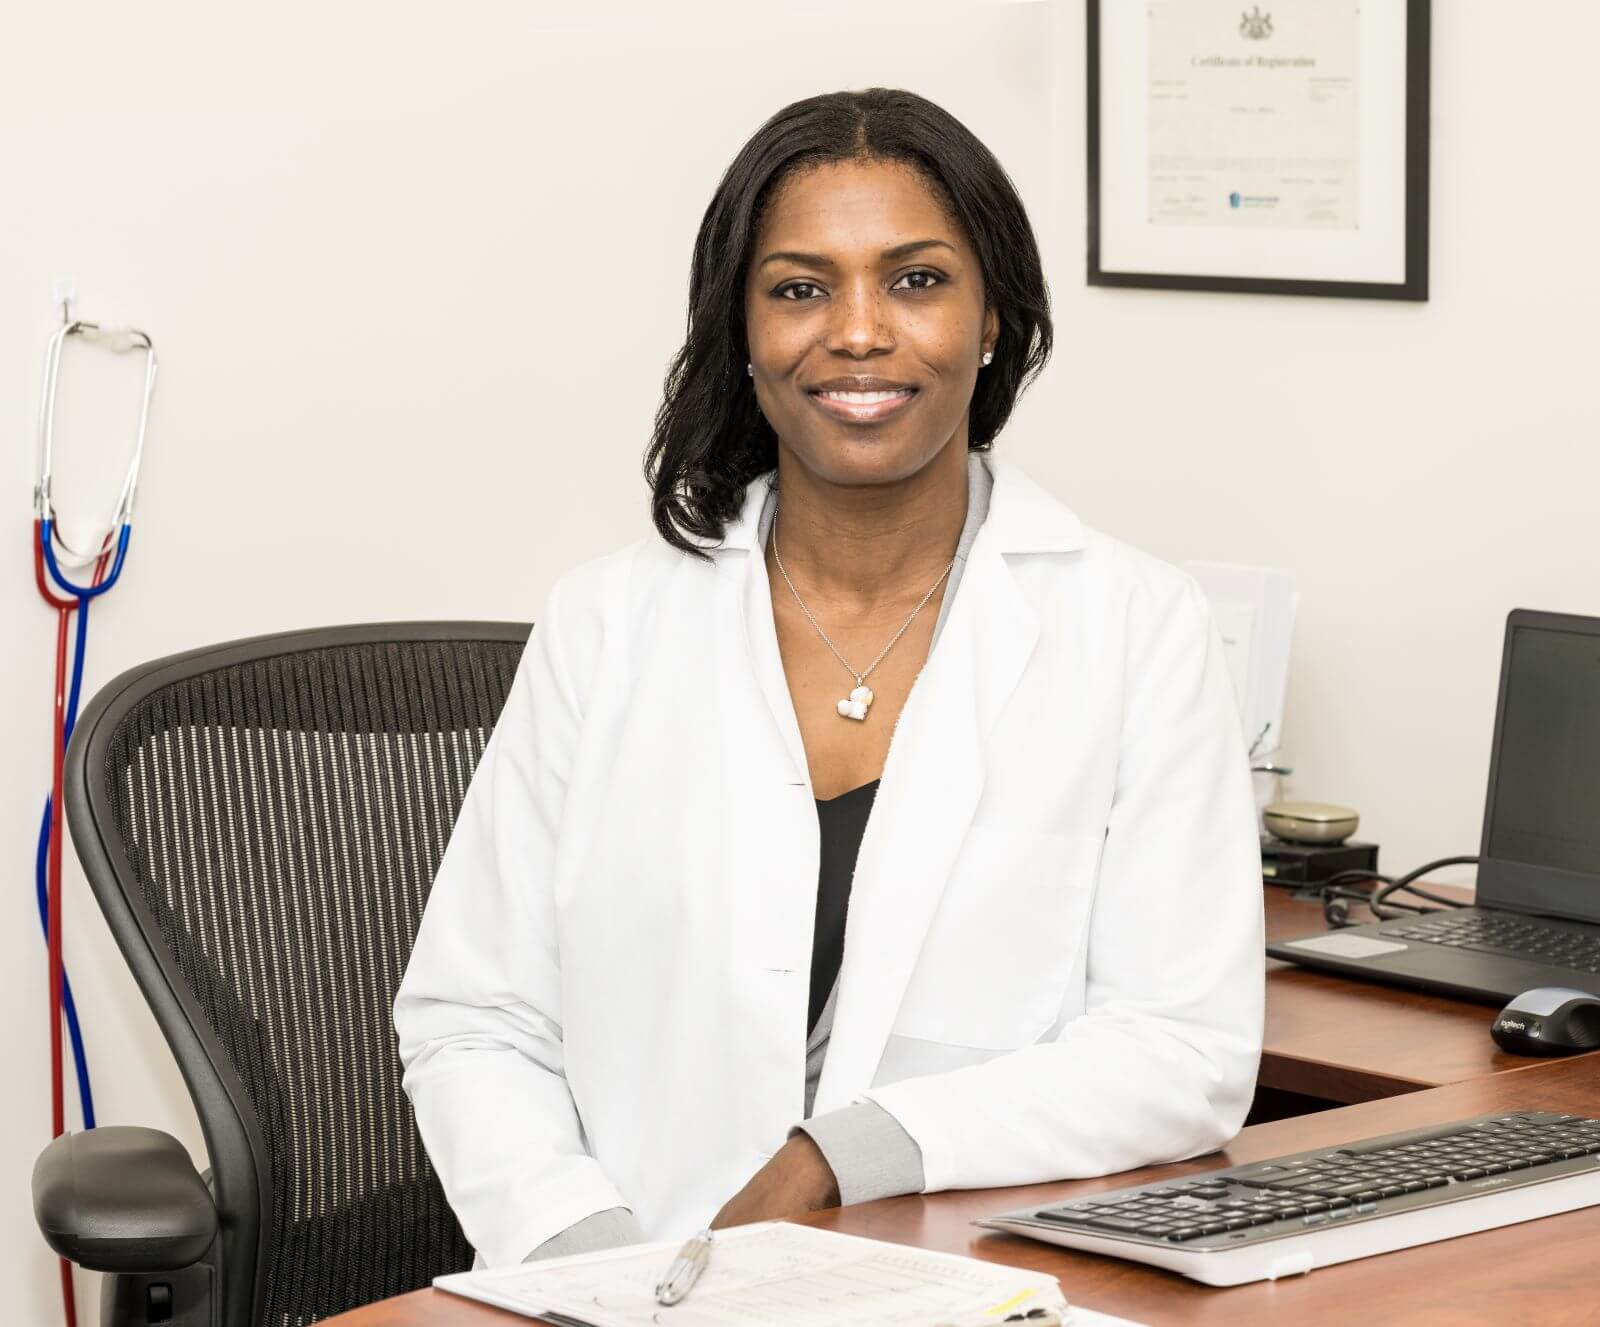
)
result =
(638, 1001)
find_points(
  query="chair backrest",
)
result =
(261, 822)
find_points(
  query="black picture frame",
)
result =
(1413, 287)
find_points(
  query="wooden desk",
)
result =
(1537, 1272)
(1409, 1059)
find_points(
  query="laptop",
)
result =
(1537, 916)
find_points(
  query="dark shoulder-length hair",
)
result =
(710, 439)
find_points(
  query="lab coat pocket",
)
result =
(1005, 940)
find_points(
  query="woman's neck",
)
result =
(866, 545)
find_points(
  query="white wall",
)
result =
(415, 273)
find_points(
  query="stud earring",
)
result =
(750, 369)
(987, 356)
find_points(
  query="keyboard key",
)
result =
(1348, 1190)
(1120, 1224)
(1065, 1218)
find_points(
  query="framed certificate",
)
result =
(1276, 148)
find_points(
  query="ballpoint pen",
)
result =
(685, 1270)
(1040, 1317)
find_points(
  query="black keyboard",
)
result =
(1504, 933)
(1376, 1177)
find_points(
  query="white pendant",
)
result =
(857, 704)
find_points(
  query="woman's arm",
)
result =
(478, 1014)
(1161, 1064)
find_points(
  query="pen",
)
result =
(685, 1269)
(1040, 1317)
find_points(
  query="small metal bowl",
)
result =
(1310, 822)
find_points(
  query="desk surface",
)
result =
(1350, 1041)
(1539, 1271)
(1410, 1059)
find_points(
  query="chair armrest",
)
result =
(122, 1199)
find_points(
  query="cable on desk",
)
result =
(1337, 896)
(1404, 882)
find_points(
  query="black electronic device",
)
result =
(1552, 1020)
(1284, 863)
(1536, 919)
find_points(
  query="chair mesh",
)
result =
(285, 818)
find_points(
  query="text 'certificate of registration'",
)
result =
(1254, 117)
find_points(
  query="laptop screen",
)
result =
(1545, 800)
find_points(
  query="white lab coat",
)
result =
(1053, 954)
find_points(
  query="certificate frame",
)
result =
(1384, 255)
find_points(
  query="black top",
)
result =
(842, 821)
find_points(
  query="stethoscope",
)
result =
(50, 553)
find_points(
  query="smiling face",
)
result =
(859, 279)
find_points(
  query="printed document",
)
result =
(772, 1274)
(1254, 117)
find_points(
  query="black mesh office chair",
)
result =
(261, 822)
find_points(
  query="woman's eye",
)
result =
(786, 292)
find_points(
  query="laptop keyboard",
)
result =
(1503, 933)
(1374, 1177)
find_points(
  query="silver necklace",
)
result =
(859, 701)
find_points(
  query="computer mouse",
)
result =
(1549, 1020)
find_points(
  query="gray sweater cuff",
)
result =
(609, 1229)
(871, 1155)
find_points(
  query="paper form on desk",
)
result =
(772, 1274)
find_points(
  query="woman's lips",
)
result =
(863, 407)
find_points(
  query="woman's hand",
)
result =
(797, 1179)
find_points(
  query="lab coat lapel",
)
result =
(931, 783)
(753, 588)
